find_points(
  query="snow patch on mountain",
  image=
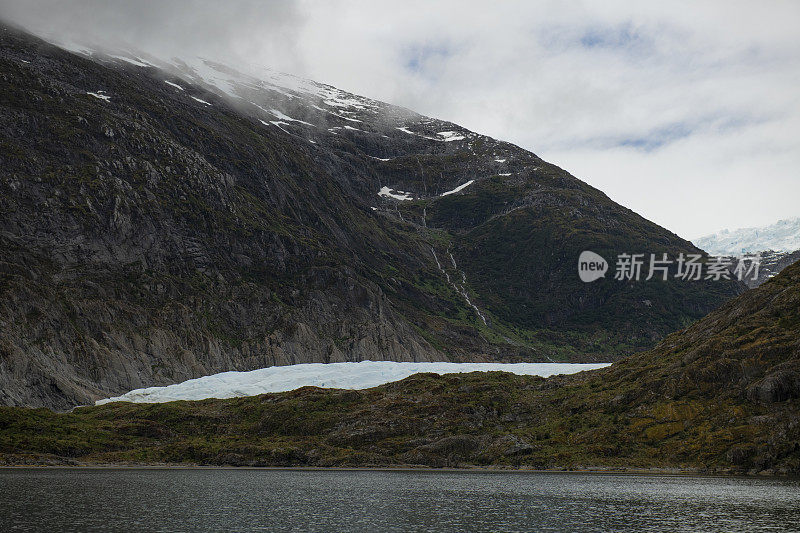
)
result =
(459, 188)
(207, 72)
(386, 192)
(138, 62)
(277, 124)
(282, 116)
(318, 108)
(451, 136)
(361, 375)
(783, 236)
(100, 95)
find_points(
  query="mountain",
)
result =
(720, 396)
(161, 221)
(783, 236)
(771, 264)
(778, 245)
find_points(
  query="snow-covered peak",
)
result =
(233, 83)
(322, 115)
(264, 87)
(783, 236)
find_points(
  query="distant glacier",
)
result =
(783, 236)
(360, 375)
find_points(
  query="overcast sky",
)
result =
(686, 112)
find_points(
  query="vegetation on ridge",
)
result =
(721, 395)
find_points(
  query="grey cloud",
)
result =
(688, 99)
(231, 31)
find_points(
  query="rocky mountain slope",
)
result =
(771, 264)
(722, 395)
(163, 221)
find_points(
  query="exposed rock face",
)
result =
(780, 385)
(772, 263)
(150, 234)
(178, 349)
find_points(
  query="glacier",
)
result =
(358, 375)
(783, 236)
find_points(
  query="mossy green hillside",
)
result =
(720, 396)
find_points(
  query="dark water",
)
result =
(280, 500)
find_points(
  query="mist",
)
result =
(231, 32)
(687, 113)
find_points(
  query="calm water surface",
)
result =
(295, 500)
